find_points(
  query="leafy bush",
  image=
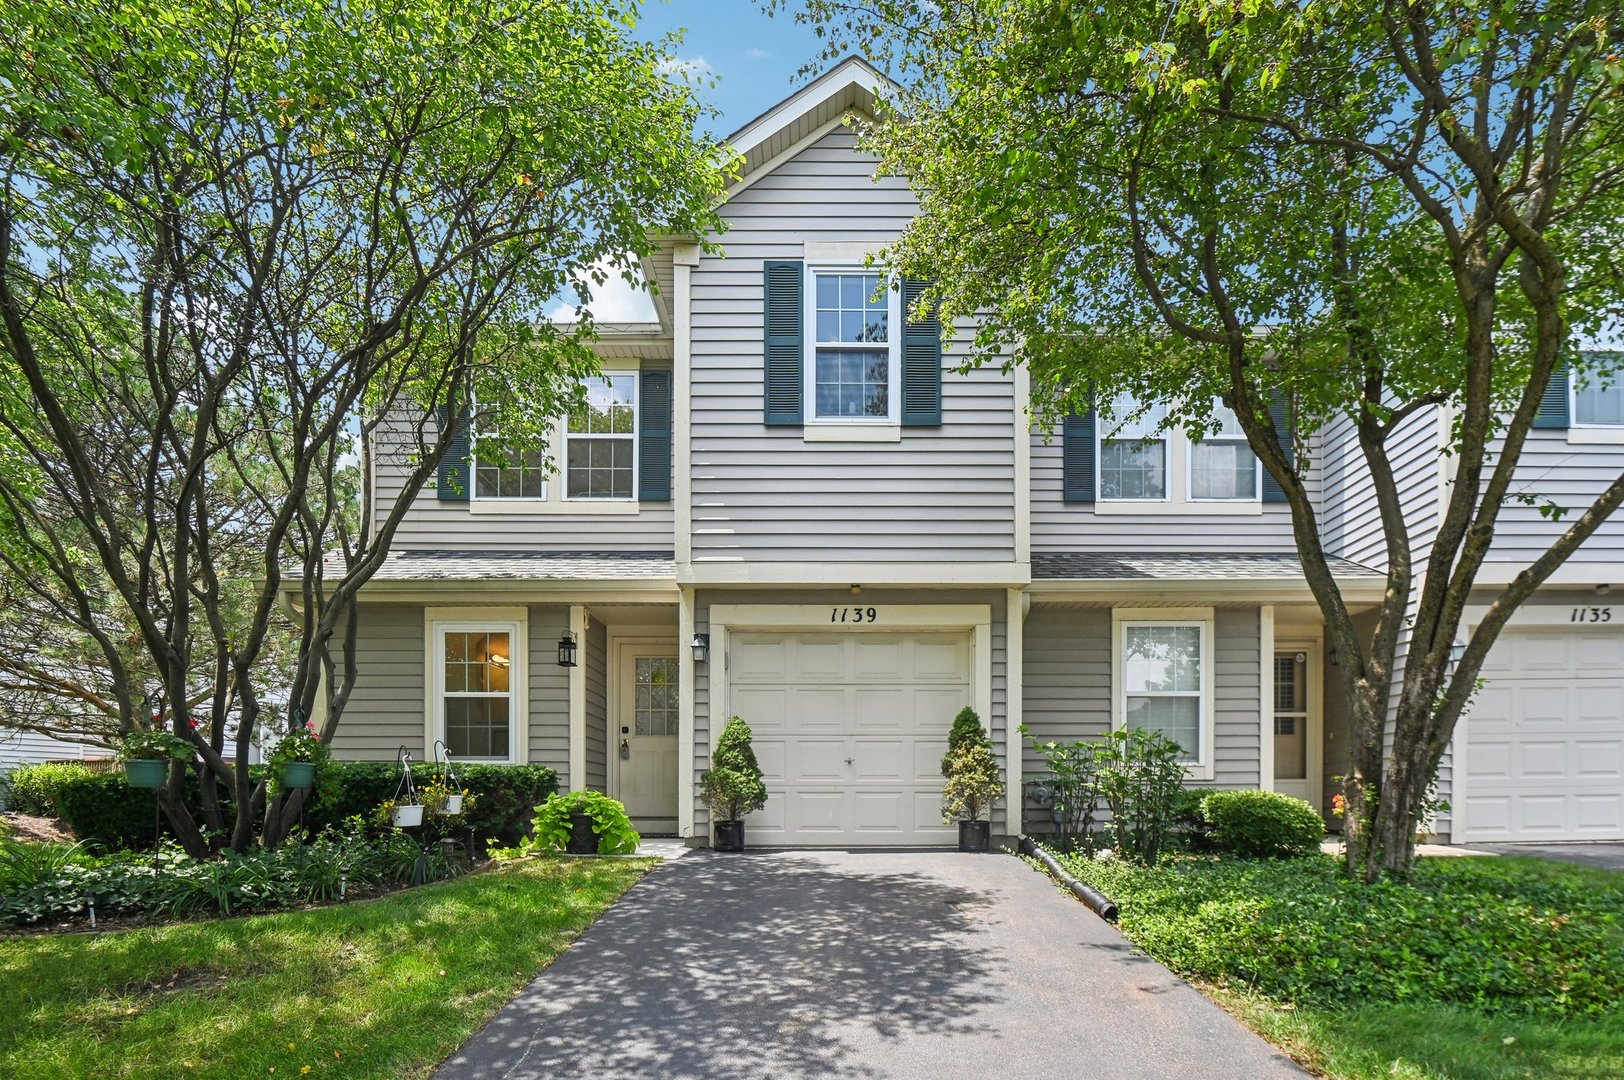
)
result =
(732, 787)
(966, 731)
(1262, 824)
(973, 782)
(36, 789)
(1499, 935)
(104, 811)
(1141, 777)
(59, 881)
(1074, 779)
(552, 823)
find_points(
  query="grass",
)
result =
(1475, 969)
(386, 988)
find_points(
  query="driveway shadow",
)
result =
(747, 966)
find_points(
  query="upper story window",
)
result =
(1133, 454)
(600, 441)
(503, 472)
(852, 373)
(1223, 466)
(1139, 462)
(1599, 406)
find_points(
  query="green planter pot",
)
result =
(298, 774)
(146, 773)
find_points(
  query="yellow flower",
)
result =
(304, 1070)
(290, 1046)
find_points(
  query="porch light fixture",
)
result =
(701, 647)
(566, 650)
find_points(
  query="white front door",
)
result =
(645, 742)
(1297, 735)
(850, 730)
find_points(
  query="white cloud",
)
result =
(615, 301)
(757, 54)
(689, 68)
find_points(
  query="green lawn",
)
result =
(386, 988)
(1475, 969)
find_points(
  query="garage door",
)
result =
(850, 730)
(1545, 738)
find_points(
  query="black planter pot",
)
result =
(583, 841)
(729, 836)
(975, 836)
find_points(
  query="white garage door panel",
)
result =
(1545, 738)
(850, 730)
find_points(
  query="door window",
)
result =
(656, 703)
(1290, 717)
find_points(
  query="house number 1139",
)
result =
(853, 615)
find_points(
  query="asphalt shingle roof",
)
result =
(526, 566)
(1116, 566)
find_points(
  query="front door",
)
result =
(1297, 724)
(645, 744)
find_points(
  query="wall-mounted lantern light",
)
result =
(566, 650)
(701, 647)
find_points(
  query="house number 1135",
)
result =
(853, 615)
(1591, 614)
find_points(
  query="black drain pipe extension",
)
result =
(1095, 899)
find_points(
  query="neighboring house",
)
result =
(32, 748)
(788, 503)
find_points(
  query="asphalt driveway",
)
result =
(1599, 853)
(858, 964)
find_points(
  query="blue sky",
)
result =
(751, 58)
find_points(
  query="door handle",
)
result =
(625, 750)
(850, 761)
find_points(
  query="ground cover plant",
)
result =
(386, 988)
(1470, 969)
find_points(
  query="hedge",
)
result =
(1262, 824)
(109, 815)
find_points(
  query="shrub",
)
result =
(1141, 777)
(36, 789)
(966, 731)
(1504, 936)
(108, 815)
(973, 782)
(552, 823)
(1262, 824)
(732, 787)
(1074, 779)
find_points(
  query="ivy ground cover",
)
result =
(1474, 969)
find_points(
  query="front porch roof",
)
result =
(1237, 576)
(527, 566)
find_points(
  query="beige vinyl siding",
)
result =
(595, 670)
(763, 494)
(1067, 684)
(549, 691)
(387, 707)
(1058, 525)
(434, 525)
(704, 599)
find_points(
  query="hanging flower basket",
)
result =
(408, 816)
(453, 805)
(298, 774)
(148, 773)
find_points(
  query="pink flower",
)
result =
(310, 725)
(195, 724)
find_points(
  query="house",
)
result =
(788, 504)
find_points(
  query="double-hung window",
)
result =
(478, 675)
(1164, 678)
(600, 441)
(1222, 465)
(1133, 454)
(1599, 405)
(854, 325)
(508, 472)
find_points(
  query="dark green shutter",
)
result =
(784, 282)
(1077, 457)
(921, 363)
(453, 485)
(1280, 413)
(1553, 404)
(654, 437)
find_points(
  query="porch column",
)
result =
(577, 777)
(685, 714)
(1265, 742)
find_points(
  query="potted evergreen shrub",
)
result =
(732, 787)
(297, 755)
(973, 781)
(146, 756)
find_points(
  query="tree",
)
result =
(233, 238)
(1367, 211)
